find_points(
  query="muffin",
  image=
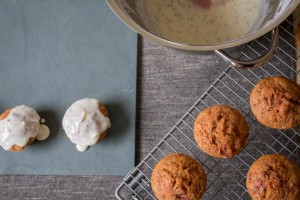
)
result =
(297, 35)
(275, 102)
(297, 41)
(221, 131)
(273, 177)
(85, 123)
(178, 177)
(19, 127)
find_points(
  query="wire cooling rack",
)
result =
(226, 177)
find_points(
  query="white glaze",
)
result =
(84, 123)
(81, 148)
(185, 21)
(44, 132)
(19, 126)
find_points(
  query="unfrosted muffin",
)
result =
(221, 131)
(275, 102)
(86, 122)
(19, 127)
(178, 177)
(273, 177)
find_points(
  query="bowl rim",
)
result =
(236, 42)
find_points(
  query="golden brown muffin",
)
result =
(105, 113)
(221, 131)
(5, 114)
(16, 148)
(275, 102)
(178, 177)
(297, 35)
(273, 177)
(297, 41)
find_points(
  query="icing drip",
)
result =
(81, 148)
(44, 132)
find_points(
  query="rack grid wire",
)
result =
(226, 177)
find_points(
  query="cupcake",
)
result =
(178, 176)
(19, 127)
(221, 131)
(85, 123)
(273, 177)
(275, 102)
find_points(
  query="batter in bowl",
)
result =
(202, 21)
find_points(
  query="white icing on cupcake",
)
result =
(21, 124)
(84, 123)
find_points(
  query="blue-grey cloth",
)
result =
(53, 53)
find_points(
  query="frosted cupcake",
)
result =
(19, 127)
(86, 122)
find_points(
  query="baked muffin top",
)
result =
(178, 177)
(275, 102)
(273, 177)
(221, 131)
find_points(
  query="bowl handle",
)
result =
(253, 63)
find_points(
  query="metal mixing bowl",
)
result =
(272, 13)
